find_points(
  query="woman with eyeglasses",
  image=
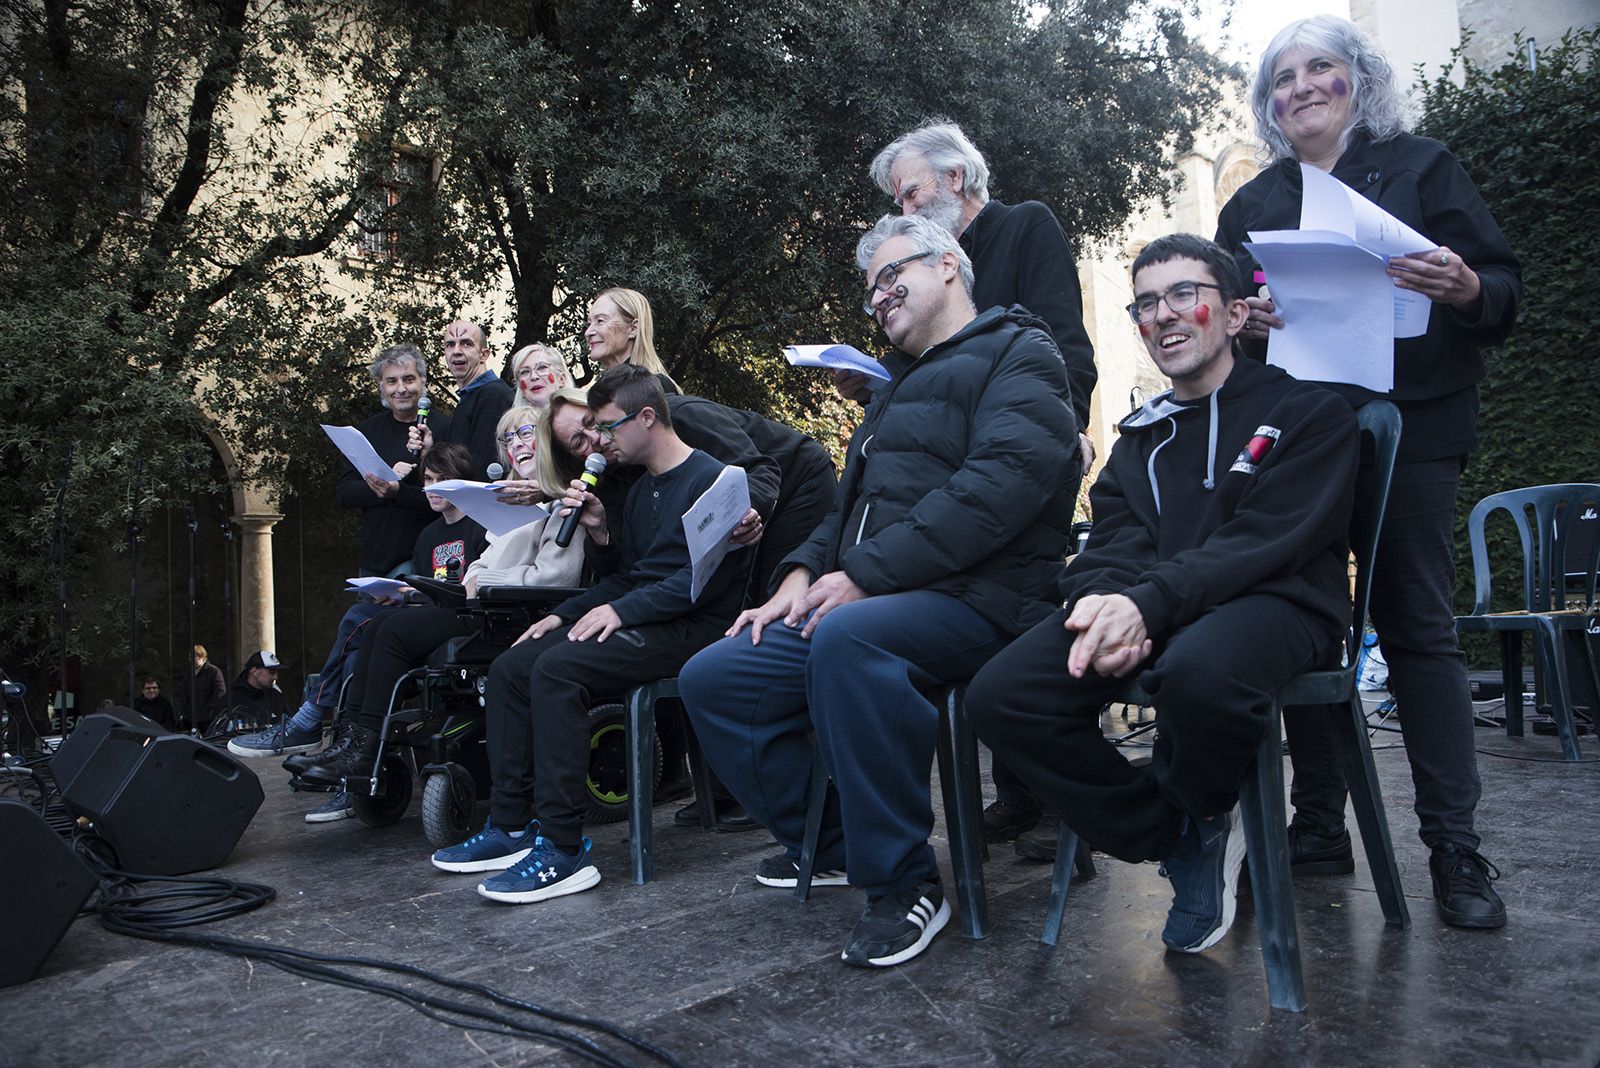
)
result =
(1326, 97)
(526, 556)
(539, 371)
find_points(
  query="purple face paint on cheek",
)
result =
(1277, 109)
(1340, 88)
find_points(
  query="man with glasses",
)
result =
(636, 624)
(1216, 569)
(944, 541)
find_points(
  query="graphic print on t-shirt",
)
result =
(446, 553)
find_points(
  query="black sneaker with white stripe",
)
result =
(781, 871)
(896, 927)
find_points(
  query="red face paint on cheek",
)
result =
(550, 378)
(1146, 329)
(1202, 314)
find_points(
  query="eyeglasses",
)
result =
(609, 430)
(888, 276)
(540, 369)
(523, 433)
(1180, 298)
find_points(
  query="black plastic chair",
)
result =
(1544, 610)
(1261, 791)
(641, 703)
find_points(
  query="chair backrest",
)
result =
(1379, 420)
(1544, 544)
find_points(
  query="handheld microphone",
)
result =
(424, 405)
(495, 472)
(592, 468)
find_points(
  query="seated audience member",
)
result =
(638, 623)
(527, 556)
(151, 703)
(945, 540)
(393, 511)
(204, 691)
(1216, 569)
(254, 697)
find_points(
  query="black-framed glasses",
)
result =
(1180, 298)
(523, 433)
(888, 275)
(609, 430)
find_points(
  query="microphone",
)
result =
(424, 405)
(495, 472)
(592, 467)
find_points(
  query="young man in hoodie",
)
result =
(945, 541)
(1216, 569)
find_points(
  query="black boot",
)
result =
(350, 760)
(299, 762)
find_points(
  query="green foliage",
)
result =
(1527, 139)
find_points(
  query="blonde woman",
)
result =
(622, 330)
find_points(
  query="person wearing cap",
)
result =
(254, 698)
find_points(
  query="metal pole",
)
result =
(194, 675)
(133, 580)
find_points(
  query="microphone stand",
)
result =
(133, 577)
(194, 673)
(63, 699)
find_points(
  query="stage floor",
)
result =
(721, 971)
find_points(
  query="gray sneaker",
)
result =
(280, 739)
(336, 807)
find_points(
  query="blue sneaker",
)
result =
(334, 808)
(491, 849)
(277, 740)
(1205, 882)
(546, 872)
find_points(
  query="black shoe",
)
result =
(896, 927)
(1311, 853)
(1040, 843)
(297, 764)
(1461, 879)
(1003, 820)
(731, 816)
(351, 760)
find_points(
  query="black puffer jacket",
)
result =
(958, 479)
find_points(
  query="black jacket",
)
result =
(482, 403)
(244, 701)
(958, 479)
(1420, 183)
(1020, 256)
(1246, 491)
(389, 528)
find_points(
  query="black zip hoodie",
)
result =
(1248, 490)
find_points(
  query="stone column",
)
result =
(257, 625)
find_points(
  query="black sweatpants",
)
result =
(538, 702)
(404, 640)
(1412, 582)
(1212, 682)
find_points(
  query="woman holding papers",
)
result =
(527, 556)
(1324, 96)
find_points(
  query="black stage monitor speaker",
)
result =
(168, 804)
(42, 887)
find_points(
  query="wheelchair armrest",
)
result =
(521, 595)
(441, 592)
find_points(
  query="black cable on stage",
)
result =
(127, 905)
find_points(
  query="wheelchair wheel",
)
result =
(394, 793)
(608, 763)
(448, 798)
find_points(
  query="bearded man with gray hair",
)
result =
(942, 544)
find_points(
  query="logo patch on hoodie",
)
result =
(1259, 445)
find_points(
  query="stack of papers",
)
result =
(1341, 311)
(709, 521)
(482, 503)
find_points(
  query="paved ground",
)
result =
(720, 971)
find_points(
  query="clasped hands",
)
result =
(1111, 636)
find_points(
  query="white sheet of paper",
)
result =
(479, 500)
(843, 357)
(1329, 204)
(709, 521)
(1337, 308)
(377, 585)
(359, 451)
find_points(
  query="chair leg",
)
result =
(1555, 661)
(1361, 776)
(641, 791)
(1267, 844)
(963, 811)
(700, 775)
(1067, 852)
(1084, 864)
(1511, 680)
(816, 804)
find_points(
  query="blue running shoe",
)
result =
(546, 872)
(1205, 882)
(276, 740)
(334, 808)
(491, 849)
